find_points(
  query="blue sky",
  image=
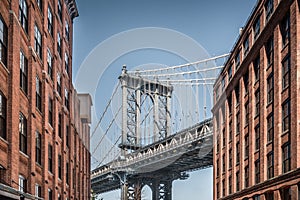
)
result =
(213, 24)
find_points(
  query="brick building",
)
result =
(44, 123)
(257, 110)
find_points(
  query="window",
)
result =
(286, 115)
(223, 187)
(286, 193)
(23, 72)
(3, 41)
(237, 152)
(256, 197)
(59, 44)
(223, 83)
(67, 30)
(38, 148)
(257, 105)
(58, 83)
(229, 72)
(223, 137)
(67, 63)
(237, 181)
(66, 98)
(67, 173)
(286, 158)
(23, 13)
(256, 27)
(286, 72)
(50, 21)
(270, 51)
(59, 9)
(230, 158)
(49, 63)
(50, 194)
(2, 116)
(22, 133)
(269, 8)
(237, 94)
(285, 30)
(230, 184)
(246, 45)
(246, 82)
(270, 89)
(256, 65)
(229, 101)
(270, 127)
(38, 94)
(270, 165)
(22, 184)
(257, 171)
(59, 167)
(247, 176)
(40, 5)
(237, 123)
(230, 131)
(60, 125)
(237, 60)
(269, 196)
(247, 113)
(50, 111)
(223, 163)
(50, 156)
(218, 190)
(247, 146)
(67, 136)
(38, 190)
(217, 168)
(37, 41)
(257, 137)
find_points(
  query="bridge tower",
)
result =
(133, 89)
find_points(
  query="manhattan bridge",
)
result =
(158, 129)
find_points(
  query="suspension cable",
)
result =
(106, 131)
(182, 73)
(180, 66)
(188, 80)
(105, 110)
(109, 151)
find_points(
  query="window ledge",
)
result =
(285, 46)
(269, 103)
(285, 132)
(4, 140)
(4, 67)
(285, 88)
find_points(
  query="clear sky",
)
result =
(214, 24)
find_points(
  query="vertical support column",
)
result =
(124, 191)
(156, 115)
(168, 113)
(138, 115)
(161, 190)
(124, 108)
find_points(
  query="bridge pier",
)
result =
(161, 190)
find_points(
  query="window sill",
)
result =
(285, 46)
(24, 154)
(256, 151)
(269, 142)
(256, 116)
(4, 67)
(269, 103)
(285, 132)
(4, 140)
(269, 66)
(285, 88)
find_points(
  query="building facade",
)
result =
(257, 110)
(44, 123)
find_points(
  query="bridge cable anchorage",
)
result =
(105, 110)
(107, 154)
(182, 73)
(180, 66)
(106, 131)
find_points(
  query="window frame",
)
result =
(269, 8)
(50, 111)
(286, 69)
(23, 72)
(3, 41)
(38, 41)
(257, 137)
(286, 157)
(23, 133)
(286, 116)
(270, 165)
(270, 128)
(3, 116)
(270, 89)
(38, 148)
(285, 30)
(257, 171)
(38, 93)
(50, 158)
(23, 14)
(256, 27)
(50, 20)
